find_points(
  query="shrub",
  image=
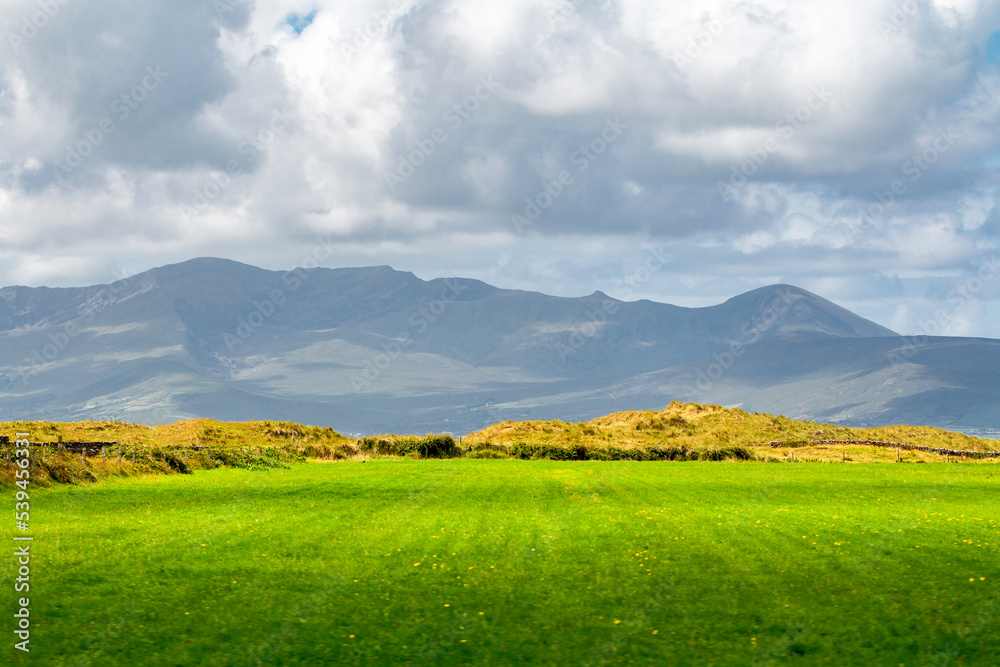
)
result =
(428, 447)
(483, 446)
(670, 453)
(176, 464)
(383, 446)
(346, 450)
(58, 472)
(738, 452)
(438, 447)
(548, 452)
(487, 454)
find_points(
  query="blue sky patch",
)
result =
(993, 49)
(300, 22)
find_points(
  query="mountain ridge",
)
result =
(384, 349)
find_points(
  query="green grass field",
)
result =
(478, 562)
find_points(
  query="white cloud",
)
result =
(702, 91)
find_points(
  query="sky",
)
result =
(679, 152)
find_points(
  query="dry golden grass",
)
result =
(707, 426)
(188, 433)
(167, 449)
(686, 428)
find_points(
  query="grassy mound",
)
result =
(197, 444)
(689, 431)
(681, 432)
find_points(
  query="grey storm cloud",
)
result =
(850, 148)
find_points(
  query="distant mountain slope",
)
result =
(368, 349)
(807, 314)
(859, 382)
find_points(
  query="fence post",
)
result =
(119, 453)
(83, 453)
(104, 456)
(897, 454)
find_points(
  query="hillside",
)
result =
(701, 427)
(680, 432)
(189, 433)
(374, 350)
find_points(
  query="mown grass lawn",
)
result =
(519, 562)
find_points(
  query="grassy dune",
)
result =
(170, 449)
(465, 562)
(701, 428)
(681, 432)
(189, 433)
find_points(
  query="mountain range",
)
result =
(369, 350)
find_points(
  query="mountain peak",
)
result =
(199, 267)
(799, 311)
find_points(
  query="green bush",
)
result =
(438, 447)
(738, 452)
(177, 464)
(551, 452)
(487, 454)
(443, 446)
(427, 447)
(500, 451)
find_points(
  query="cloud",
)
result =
(759, 140)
